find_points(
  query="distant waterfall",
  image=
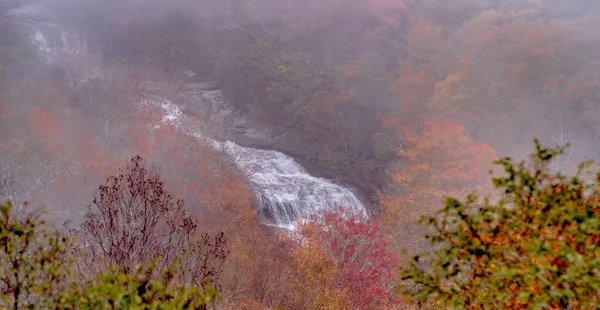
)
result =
(285, 192)
(53, 41)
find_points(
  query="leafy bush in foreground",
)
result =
(535, 246)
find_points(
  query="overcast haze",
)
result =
(385, 105)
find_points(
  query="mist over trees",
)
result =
(408, 101)
(317, 70)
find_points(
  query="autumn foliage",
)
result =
(344, 259)
(408, 101)
(437, 162)
(364, 265)
(534, 246)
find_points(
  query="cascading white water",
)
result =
(52, 40)
(285, 191)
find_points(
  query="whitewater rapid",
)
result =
(286, 193)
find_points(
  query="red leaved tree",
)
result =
(365, 266)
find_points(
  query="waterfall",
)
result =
(53, 41)
(285, 192)
(50, 39)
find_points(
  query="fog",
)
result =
(305, 137)
(339, 85)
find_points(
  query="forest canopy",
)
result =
(115, 116)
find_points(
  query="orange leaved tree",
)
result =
(435, 162)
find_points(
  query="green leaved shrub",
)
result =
(534, 245)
